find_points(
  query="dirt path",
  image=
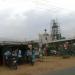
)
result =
(48, 64)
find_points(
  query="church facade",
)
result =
(53, 36)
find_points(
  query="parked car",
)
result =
(53, 52)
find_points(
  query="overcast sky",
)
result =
(25, 19)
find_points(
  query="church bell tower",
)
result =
(56, 35)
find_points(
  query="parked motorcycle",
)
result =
(14, 63)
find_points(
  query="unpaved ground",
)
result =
(48, 64)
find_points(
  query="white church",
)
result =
(55, 34)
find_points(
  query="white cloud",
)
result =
(26, 18)
(26, 5)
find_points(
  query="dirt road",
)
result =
(48, 64)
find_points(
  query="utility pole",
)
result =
(46, 44)
(46, 39)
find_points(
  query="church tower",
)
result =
(56, 35)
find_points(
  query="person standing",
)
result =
(7, 55)
(19, 56)
(31, 54)
(14, 58)
(66, 50)
(61, 50)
